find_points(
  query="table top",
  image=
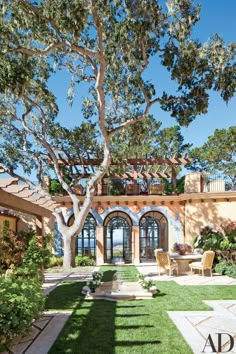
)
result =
(186, 257)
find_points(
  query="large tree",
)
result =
(108, 47)
(218, 154)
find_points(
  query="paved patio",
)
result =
(151, 272)
(195, 326)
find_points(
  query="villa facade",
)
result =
(126, 227)
(129, 227)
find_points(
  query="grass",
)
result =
(141, 326)
(123, 272)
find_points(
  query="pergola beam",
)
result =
(177, 161)
(11, 201)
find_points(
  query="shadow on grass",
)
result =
(93, 326)
(66, 296)
(108, 275)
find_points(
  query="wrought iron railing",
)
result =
(218, 182)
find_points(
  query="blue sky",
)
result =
(217, 16)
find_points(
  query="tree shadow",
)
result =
(99, 326)
(108, 275)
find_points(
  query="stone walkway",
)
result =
(53, 279)
(45, 330)
(195, 326)
(202, 330)
(151, 272)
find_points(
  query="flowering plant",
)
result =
(96, 280)
(182, 248)
(97, 275)
(230, 231)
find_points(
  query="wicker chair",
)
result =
(205, 264)
(164, 261)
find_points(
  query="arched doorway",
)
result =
(153, 231)
(117, 238)
(86, 241)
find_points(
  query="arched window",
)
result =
(117, 238)
(153, 234)
(86, 240)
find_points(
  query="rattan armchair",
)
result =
(164, 261)
(205, 264)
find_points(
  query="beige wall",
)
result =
(12, 222)
(210, 212)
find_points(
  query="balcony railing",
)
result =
(121, 187)
(218, 183)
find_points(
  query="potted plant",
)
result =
(182, 248)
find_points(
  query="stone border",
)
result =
(48, 336)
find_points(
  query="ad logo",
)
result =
(220, 347)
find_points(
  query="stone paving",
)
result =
(151, 272)
(203, 329)
(195, 326)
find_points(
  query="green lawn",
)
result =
(141, 326)
(124, 272)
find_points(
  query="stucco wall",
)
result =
(12, 222)
(211, 212)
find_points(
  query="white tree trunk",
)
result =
(67, 259)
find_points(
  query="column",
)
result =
(135, 245)
(99, 245)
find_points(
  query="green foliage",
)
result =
(222, 240)
(84, 261)
(146, 139)
(209, 239)
(170, 189)
(12, 247)
(226, 268)
(55, 261)
(145, 283)
(35, 254)
(23, 249)
(218, 154)
(55, 187)
(116, 186)
(21, 301)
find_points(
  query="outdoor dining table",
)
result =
(184, 260)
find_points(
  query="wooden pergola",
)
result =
(131, 169)
(139, 168)
(20, 198)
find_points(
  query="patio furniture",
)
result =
(184, 260)
(156, 189)
(132, 189)
(164, 261)
(205, 264)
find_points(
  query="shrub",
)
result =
(226, 268)
(209, 239)
(84, 261)
(21, 301)
(222, 240)
(55, 261)
(23, 248)
(12, 247)
(35, 254)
